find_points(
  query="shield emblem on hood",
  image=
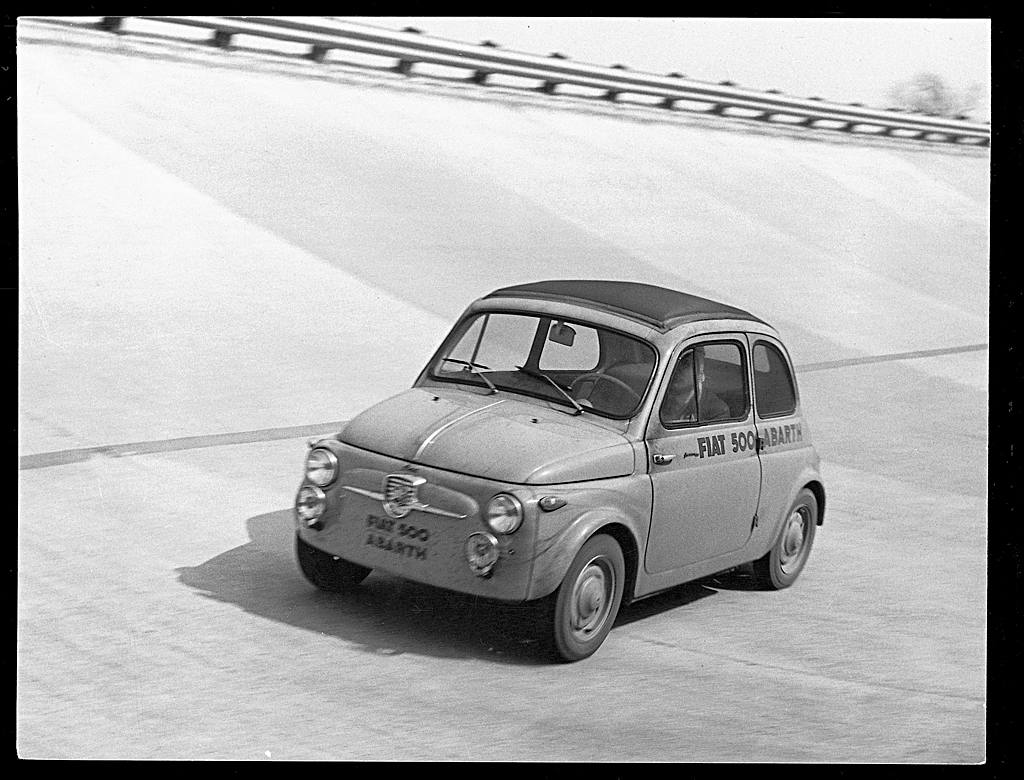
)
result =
(400, 494)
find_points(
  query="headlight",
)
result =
(504, 514)
(309, 505)
(321, 466)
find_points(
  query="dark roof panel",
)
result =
(656, 306)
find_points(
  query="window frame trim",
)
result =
(737, 339)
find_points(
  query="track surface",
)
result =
(213, 259)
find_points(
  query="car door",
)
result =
(704, 468)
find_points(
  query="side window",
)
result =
(773, 383)
(726, 380)
(679, 406)
(582, 355)
(708, 384)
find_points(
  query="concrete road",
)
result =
(215, 260)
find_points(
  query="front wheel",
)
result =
(588, 599)
(782, 564)
(326, 571)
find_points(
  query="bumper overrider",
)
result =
(417, 522)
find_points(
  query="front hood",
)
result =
(497, 437)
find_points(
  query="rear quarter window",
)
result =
(774, 389)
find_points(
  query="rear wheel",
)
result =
(328, 572)
(782, 564)
(588, 600)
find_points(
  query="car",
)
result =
(578, 444)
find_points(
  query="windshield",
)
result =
(580, 366)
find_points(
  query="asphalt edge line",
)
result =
(923, 353)
(62, 457)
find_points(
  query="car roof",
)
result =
(658, 307)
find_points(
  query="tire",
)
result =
(327, 571)
(587, 602)
(782, 564)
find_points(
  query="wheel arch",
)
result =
(630, 554)
(549, 573)
(818, 490)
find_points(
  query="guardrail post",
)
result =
(548, 87)
(221, 38)
(481, 76)
(613, 94)
(110, 23)
(317, 52)
(404, 67)
(670, 102)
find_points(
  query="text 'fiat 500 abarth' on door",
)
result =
(578, 444)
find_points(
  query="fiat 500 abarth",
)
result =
(578, 444)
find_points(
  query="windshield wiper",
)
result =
(473, 367)
(554, 384)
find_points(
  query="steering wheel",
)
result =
(597, 376)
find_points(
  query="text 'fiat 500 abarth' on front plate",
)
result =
(577, 444)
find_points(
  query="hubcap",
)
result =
(591, 597)
(793, 538)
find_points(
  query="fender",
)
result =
(555, 552)
(807, 475)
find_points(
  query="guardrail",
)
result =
(410, 48)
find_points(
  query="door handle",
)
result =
(661, 460)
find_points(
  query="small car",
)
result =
(578, 444)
